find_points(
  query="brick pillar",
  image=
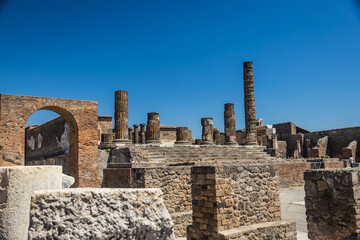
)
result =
(216, 136)
(142, 133)
(207, 131)
(136, 133)
(121, 116)
(249, 100)
(130, 133)
(229, 124)
(182, 136)
(332, 203)
(153, 128)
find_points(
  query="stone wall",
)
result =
(105, 126)
(100, 214)
(237, 201)
(332, 203)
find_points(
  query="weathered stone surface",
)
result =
(249, 100)
(67, 181)
(207, 131)
(182, 135)
(121, 116)
(332, 203)
(17, 186)
(136, 133)
(82, 117)
(229, 124)
(142, 133)
(100, 214)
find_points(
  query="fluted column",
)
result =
(249, 100)
(207, 131)
(216, 136)
(121, 116)
(229, 124)
(142, 133)
(182, 136)
(136, 133)
(153, 128)
(130, 133)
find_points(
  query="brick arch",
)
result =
(82, 118)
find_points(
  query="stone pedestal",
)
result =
(182, 136)
(130, 131)
(136, 133)
(121, 116)
(142, 133)
(17, 187)
(207, 131)
(249, 100)
(229, 124)
(153, 128)
(216, 136)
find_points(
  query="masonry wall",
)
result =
(332, 203)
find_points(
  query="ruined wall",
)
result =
(332, 204)
(338, 139)
(105, 126)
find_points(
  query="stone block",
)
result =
(17, 186)
(90, 213)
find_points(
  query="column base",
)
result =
(231, 143)
(207, 143)
(122, 141)
(152, 141)
(182, 143)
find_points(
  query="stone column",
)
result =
(216, 136)
(229, 124)
(121, 116)
(130, 131)
(182, 136)
(136, 133)
(142, 133)
(249, 99)
(153, 128)
(207, 131)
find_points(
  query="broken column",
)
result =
(207, 131)
(216, 136)
(142, 133)
(136, 133)
(229, 124)
(121, 116)
(153, 128)
(249, 99)
(182, 136)
(130, 133)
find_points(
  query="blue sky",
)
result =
(183, 59)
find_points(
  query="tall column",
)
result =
(216, 136)
(229, 124)
(121, 116)
(142, 133)
(182, 136)
(249, 99)
(153, 128)
(136, 133)
(207, 131)
(130, 132)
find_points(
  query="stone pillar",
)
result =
(136, 133)
(142, 133)
(229, 124)
(153, 128)
(182, 136)
(130, 131)
(121, 116)
(207, 131)
(249, 99)
(216, 136)
(107, 137)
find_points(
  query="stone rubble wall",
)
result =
(332, 203)
(85, 213)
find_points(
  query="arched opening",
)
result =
(51, 138)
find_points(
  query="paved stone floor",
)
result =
(293, 208)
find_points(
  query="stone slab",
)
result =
(16, 188)
(89, 213)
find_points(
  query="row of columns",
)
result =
(152, 134)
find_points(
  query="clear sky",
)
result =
(183, 59)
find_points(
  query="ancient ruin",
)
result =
(152, 181)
